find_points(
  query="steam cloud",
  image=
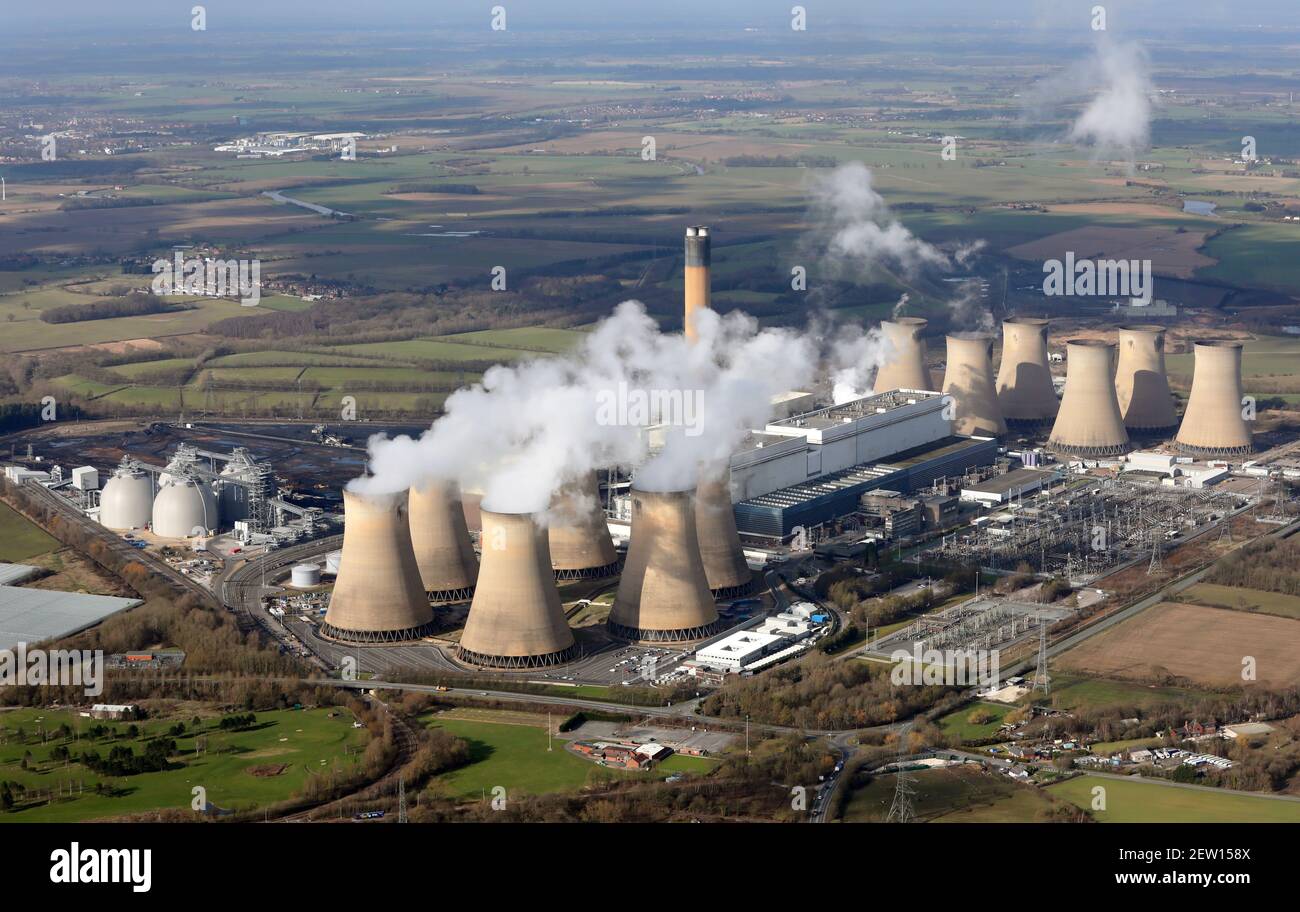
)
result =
(854, 227)
(1116, 121)
(528, 428)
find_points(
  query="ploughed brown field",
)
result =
(1170, 253)
(1203, 645)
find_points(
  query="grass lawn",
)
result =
(1135, 801)
(959, 723)
(514, 755)
(1242, 599)
(1022, 806)
(21, 538)
(299, 741)
(1070, 691)
(938, 792)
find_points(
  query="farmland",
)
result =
(1135, 801)
(1194, 643)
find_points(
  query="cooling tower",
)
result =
(1213, 423)
(516, 619)
(725, 569)
(1025, 391)
(187, 507)
(663, 595)
(378, 596)
(440, 540)
(968, 380)
(1145, 402)
(1089, 424)
(698, 255)
(581, 547)
(127, 499)
(904, 360)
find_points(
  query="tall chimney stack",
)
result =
(440, 538)
(904, 361)
(378, 596)
(581, 547)
(516, 619)
(698, 256)
(1089, 425)
(1025, 390)
(1145, 402)
(1213, 424)
(663, 595)
(968, 379)
(725, 568)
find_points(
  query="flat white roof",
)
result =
(32, 615)
(15, 573)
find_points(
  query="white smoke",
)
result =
(1116, 120)
(854, 228)
(528, 428)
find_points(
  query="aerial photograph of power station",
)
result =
(551, 411)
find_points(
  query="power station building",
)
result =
(811, 468)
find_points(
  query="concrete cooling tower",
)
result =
(378, 596)
(185, 508)
(516, 619)
(581, 547)
(1089, 425)
(127, 499)
(1145, 402)
(968, 379)
(698, 256)
(1213, 423)
(663, 595)
(903, 366)
(1025, 391)
(441, 542)
(725, 569)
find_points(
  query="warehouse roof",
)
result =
(32, 615)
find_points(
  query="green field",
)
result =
(512, 753)
(1241, 599)
(1071, 691)
(937, 792)
(959, 724)
(515, 756)
(302, 741)
(1135, 801)
(20, 538)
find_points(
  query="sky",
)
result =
(602, 15)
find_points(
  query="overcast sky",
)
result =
(589, 15)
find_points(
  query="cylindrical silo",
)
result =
(725, 568)
(1145, 402)
(1214, 423)
(903, 360)
(378, 596)
(516, 619)
(1025, 391)
(968, 382)
(304, 576)
(440, 538)
(127, 499)
(1089, 425)
(185, 508)
(581, 547)
(663, 595)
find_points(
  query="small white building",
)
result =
(85, 478)
(737, 650)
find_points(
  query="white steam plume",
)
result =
(528, 428)
(855, 229)
(1116, 121)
